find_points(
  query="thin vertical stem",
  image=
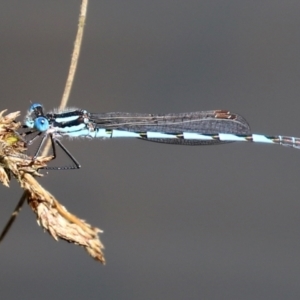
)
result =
(75, 55)
(13, 215)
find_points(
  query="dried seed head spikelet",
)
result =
(54, 218)
(51, 215)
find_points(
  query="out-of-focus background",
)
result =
(217, 222)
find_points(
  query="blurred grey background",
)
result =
(179, 222)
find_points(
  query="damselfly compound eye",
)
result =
(41, 124)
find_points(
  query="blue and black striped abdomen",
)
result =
(174, 128)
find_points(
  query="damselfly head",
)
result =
(35, 111)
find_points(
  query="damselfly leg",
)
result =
(76, 163)
(44, 137)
